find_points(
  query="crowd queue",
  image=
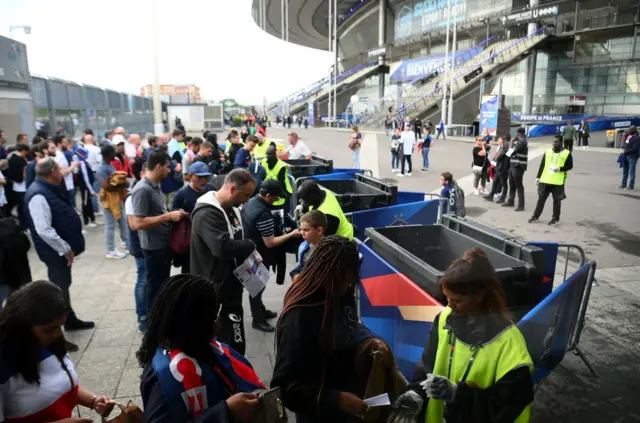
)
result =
(188, 203)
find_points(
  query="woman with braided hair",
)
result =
(189, 376)
(326, 358)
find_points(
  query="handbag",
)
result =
(271, 408)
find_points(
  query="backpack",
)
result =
(456, 201)
(180, 237)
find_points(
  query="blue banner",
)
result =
(413, 69)
(550, 124)
(489, 113)
(420, 213)
(311, 113)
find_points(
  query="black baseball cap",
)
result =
(271, 187)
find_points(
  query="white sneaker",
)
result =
(84, 232)
(409, 174)
(476, 192)
(123, 245)
(99, 213)
(485, 192)
(115, 255)
(91, 225)
(97, 222)
(401, 175)
(395, 170)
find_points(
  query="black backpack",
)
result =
(456, 201)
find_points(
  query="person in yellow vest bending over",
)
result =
(313, 196)
(552, 175)
(476, 366)
(277, 169)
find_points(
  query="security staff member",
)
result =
(264, 226)
(314, 196)
(260, 150)
(552, 175)
(519, 155)
(277, 169)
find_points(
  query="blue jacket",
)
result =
(64, 220)
(175, 387)
(302, 250)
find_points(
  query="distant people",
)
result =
(355, 142)
(297, 150)
(426, 146)
(630, 154)
(16, 173)
(501, 169)
(585, 134)
(551, 178)
(568, 135)
(441, 131)
(519, 159)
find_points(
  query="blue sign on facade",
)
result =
(489, 114)
(413, 69)
(311, 113)
(543, 125)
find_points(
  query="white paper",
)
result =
(493, 163)
(378, 401)
(253, 274)
(509, 152)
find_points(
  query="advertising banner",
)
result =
(542, 125)
(311, 113)
(417, 17)
(422, 67)
(489, 113)
(530, 15)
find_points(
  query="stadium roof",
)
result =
(307, 19)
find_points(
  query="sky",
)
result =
(213, 43)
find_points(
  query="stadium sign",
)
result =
(415, 17)
(378, 52)
(530, 15)
(411, 70)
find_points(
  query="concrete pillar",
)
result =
(382, 41)
(635, 32)
(527, 103)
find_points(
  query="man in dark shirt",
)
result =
(243, 156)
(16, 174)
(3, 151)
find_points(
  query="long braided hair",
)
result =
(183, 316)
(333, 267)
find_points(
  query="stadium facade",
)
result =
(548, 60)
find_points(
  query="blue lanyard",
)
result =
(475, 350)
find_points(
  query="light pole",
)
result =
(446, 67)
(25, 28)
(453, 70)
(158, 126)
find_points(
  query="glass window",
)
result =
(613, 109)
(76, 96)
(631, 109)
(40, 97)
(59, 95)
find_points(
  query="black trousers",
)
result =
(406, 159)
(88, 214)
(59, 273)
(158, 271)
(499, 185)
(231, 321)
(543, 193)
(16, 199)
(568, 144)
(516, 185)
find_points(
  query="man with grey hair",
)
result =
(56, 230)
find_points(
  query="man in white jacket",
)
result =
(407, 142)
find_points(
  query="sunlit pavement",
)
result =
(596, 215)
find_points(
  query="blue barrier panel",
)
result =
(549, 269)
(410, 197)
(348, 170)
(335, 175)
(419, 213)
(549, 326)
(395, 309)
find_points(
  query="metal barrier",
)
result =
(577, 330)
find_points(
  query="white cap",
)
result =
(117, 139)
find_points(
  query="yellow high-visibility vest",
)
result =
(331, 206)
(273, 174)
(556, 160)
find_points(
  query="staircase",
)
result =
(500, 54)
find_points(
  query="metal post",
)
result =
(335, 59)
(382, 41)
(446, 66)
(158, 126)
(282, 19)
(453, 71)
(500, 93)
(330, 37)
(287, 19)
(635, 32)
(575, 28)
(488, 24)
(531, 66)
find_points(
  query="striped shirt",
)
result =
(265, 225)
(53, 399)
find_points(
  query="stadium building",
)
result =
(549, 61)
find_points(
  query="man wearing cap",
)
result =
(264, 225)
(198, 176)
(277, 169)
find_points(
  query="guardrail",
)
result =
(456, 82)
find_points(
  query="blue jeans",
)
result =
(425, 158)
(629, 172)
(94, 200)
(72, 197)
(158, 263)
(355, 155)
(139, 291)
(110, 228)
(395, 160)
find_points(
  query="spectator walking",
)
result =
(56, 231)
(479, 164)
(113, 187)
(441, 131)
(585, 134)
(630, 152)
(407, 141)
(568, 135)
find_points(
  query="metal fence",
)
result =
(74, 107)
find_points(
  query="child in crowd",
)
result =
(396, 150)
(312, 225)
(446, 180)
